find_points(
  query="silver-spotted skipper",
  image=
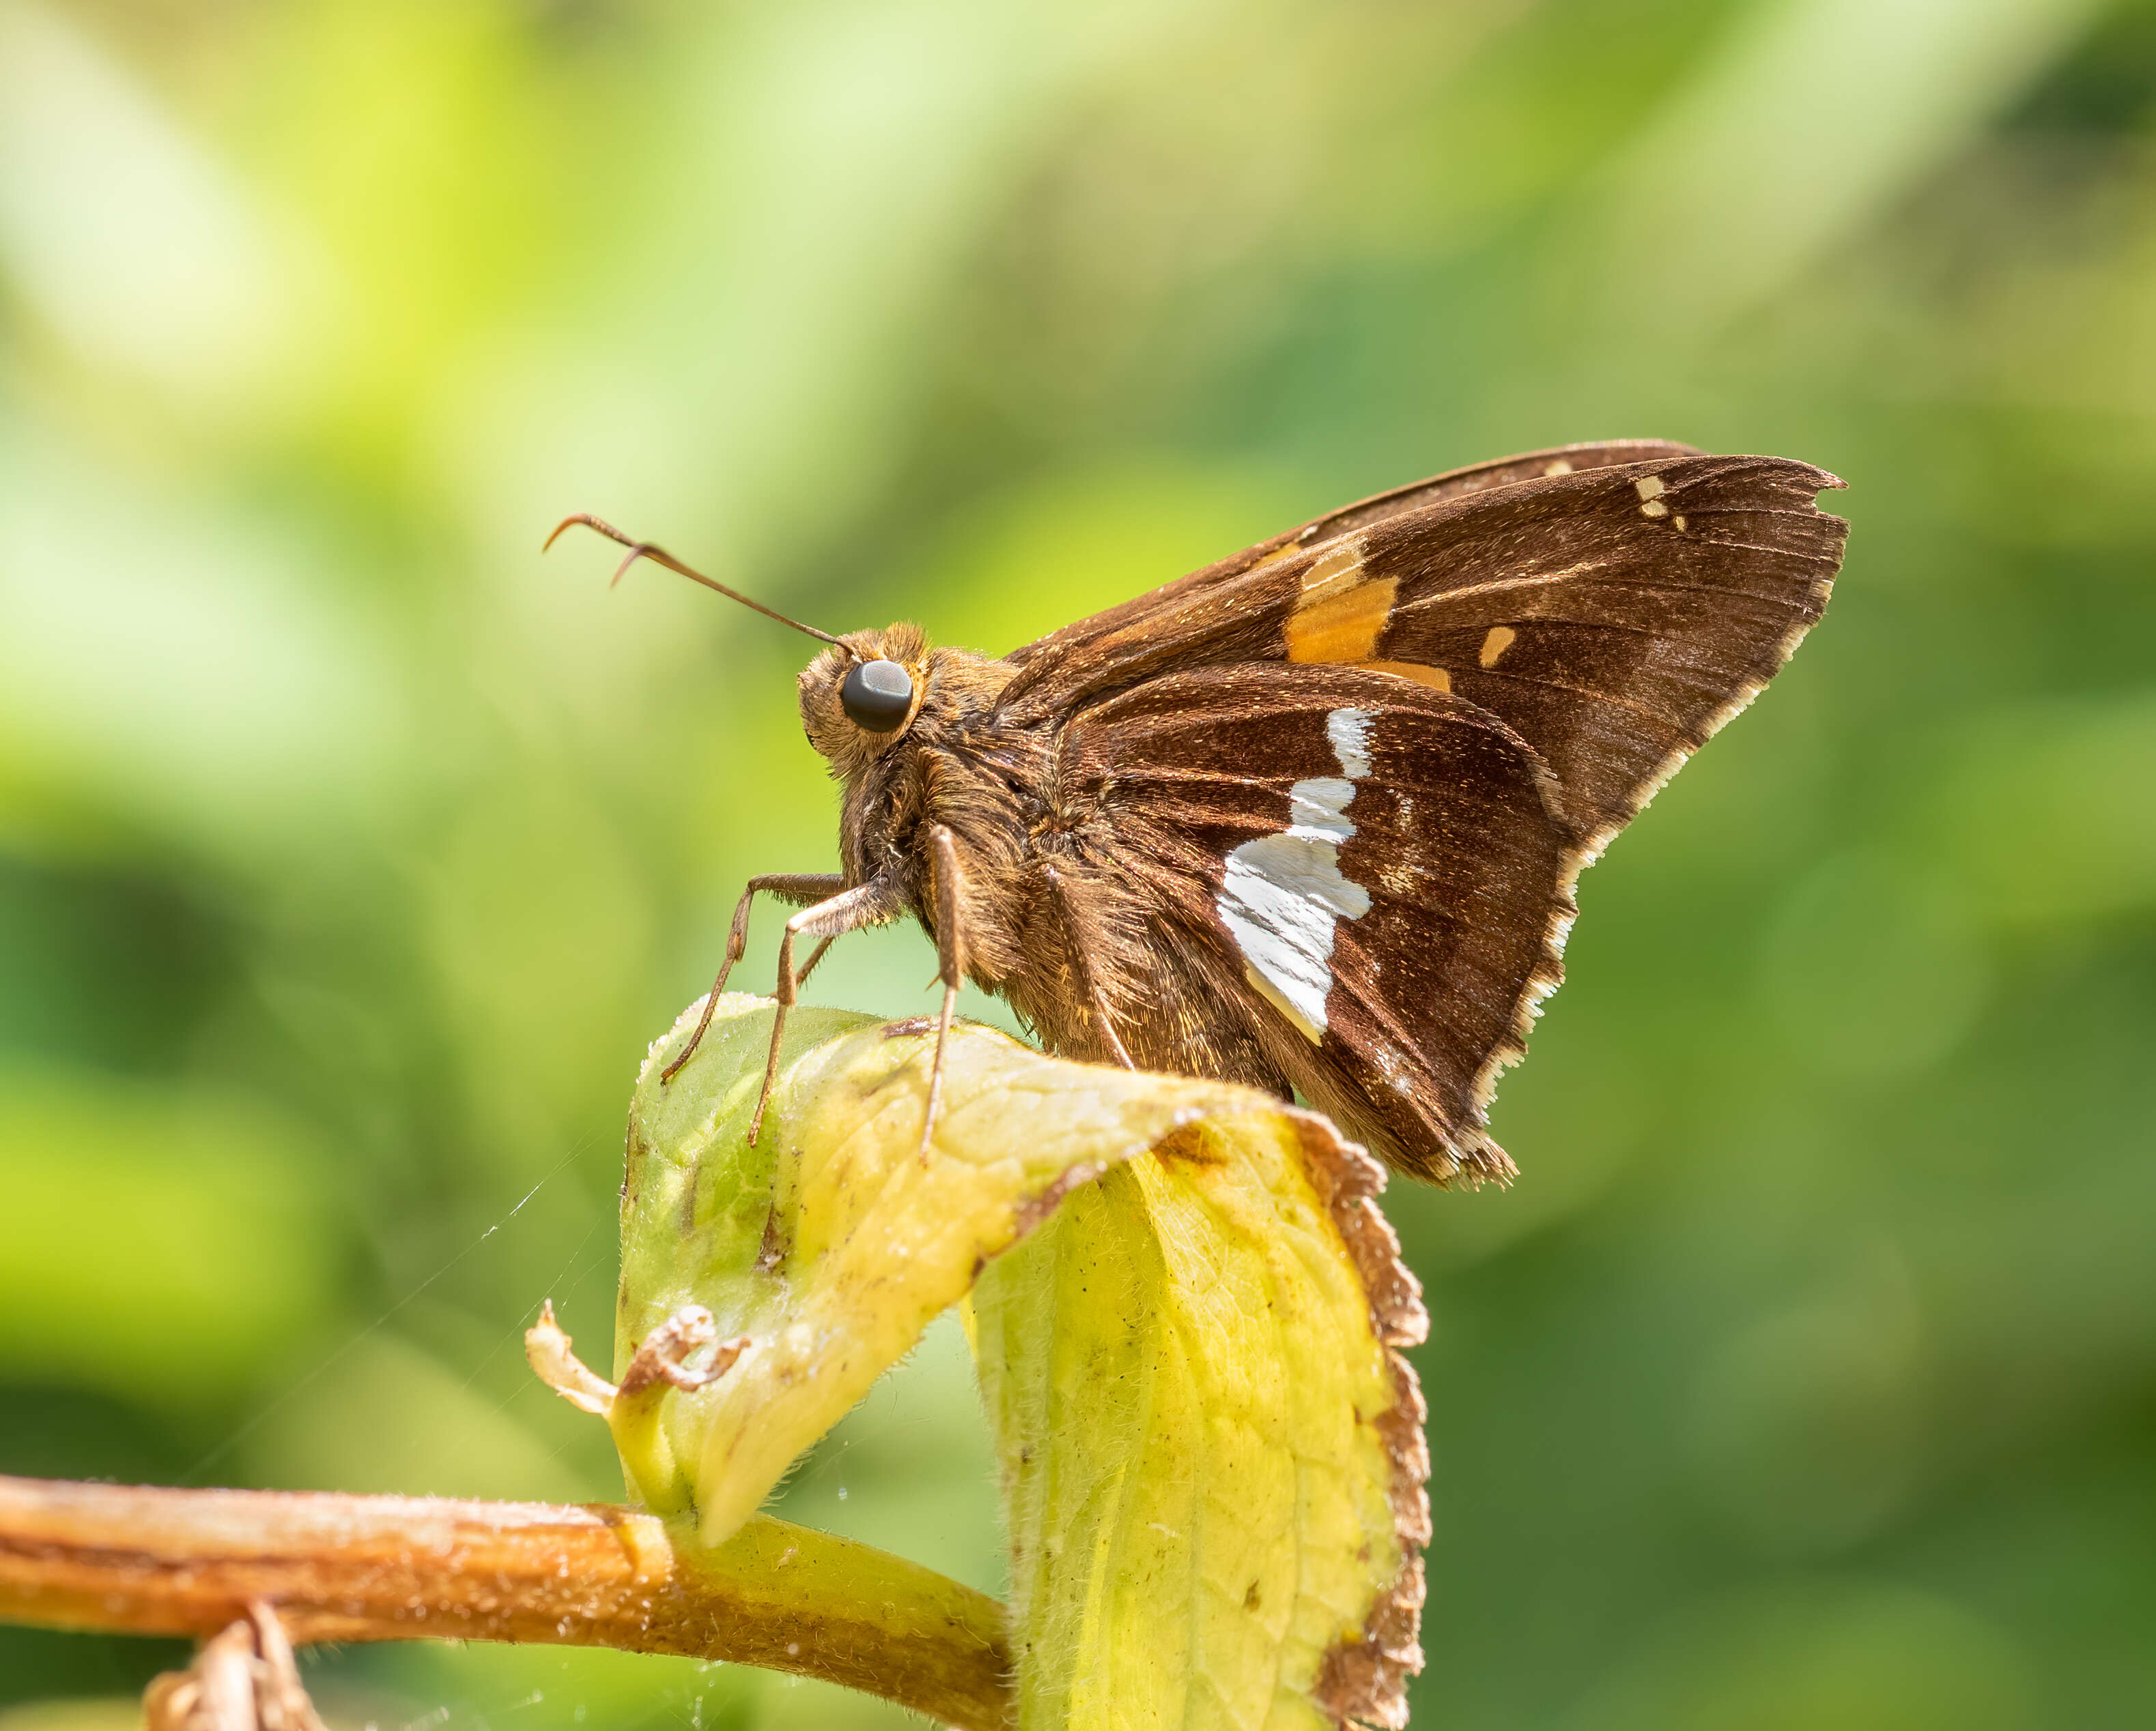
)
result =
(1310, 818)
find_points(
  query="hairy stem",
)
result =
(341, 1568)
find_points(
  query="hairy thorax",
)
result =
(962, 765)
(1055, 924)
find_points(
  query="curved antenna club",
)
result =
(658, 556)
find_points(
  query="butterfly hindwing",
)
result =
(1374, 866)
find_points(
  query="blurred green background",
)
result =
(350, 853)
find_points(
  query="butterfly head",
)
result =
(860, 697)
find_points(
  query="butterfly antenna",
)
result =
(658, 556)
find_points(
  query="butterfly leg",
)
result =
(815, 956)
(786, 886)
(950, 957)
(1074, 913)
(869, 903)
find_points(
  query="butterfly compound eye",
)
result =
(877, 696)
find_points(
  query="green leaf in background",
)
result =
(1211, 1456)
(207, 1237)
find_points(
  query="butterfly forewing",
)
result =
(1613, 618)
(1614, 614)
(1216, 614)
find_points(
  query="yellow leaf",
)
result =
(1213, 1460)
(1212, 1454)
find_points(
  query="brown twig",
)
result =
(341, 1568)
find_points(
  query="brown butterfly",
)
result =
(1310, 818)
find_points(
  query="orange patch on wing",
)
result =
(1496, 643)
(1341, 613)
(1343, 626)
(1436, 677)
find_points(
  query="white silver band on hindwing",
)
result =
(1282, 896)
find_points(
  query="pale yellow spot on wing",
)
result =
(1435, 678)
(1496, 643)
(1558, 468)
(1272, 995)
(1654, 507)
(1651, 487)
(1679, 521)
(1333, 569)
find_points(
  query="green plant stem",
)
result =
(155, 1561)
